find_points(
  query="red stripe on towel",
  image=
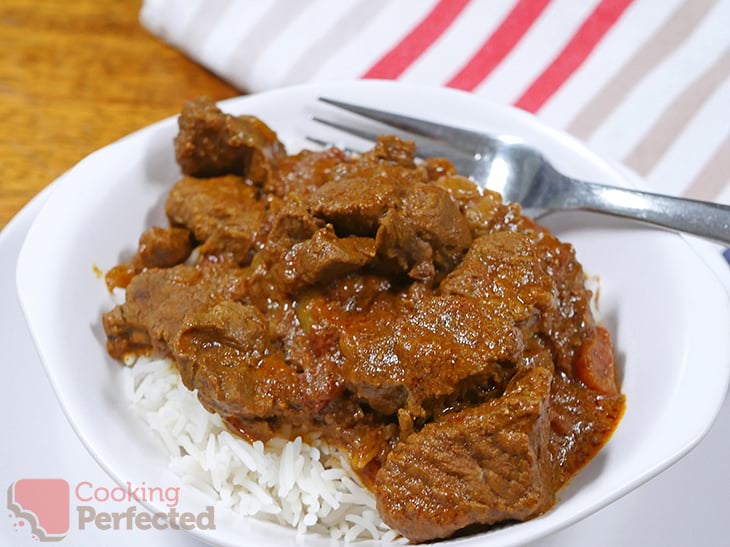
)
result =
(418, 40)
(506, 36)
(573, 54)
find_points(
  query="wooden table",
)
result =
(75, 76)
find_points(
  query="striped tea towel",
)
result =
(645, 82)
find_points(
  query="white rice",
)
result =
(307, 486)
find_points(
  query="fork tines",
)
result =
(463, 140)
(428, 143)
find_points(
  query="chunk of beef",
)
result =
(158, 248)
(223, 213)
(426, 234)
(503, 271)
(211, 143)
(484, 210)
(229, 355)
(291, 225)
(408, 356)
(418, 227)
(394, 150)
(360, 190)
(304, 172)
(233, 242)
(225, 352)
(204, 205)
(355, 205)
(127, 336)
(535, 279)
(488, 213)
(157, 301)
(325, 257)
(479, 466)
(164, 247)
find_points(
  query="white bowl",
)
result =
(668, 314)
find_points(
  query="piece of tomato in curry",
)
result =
(441, 339)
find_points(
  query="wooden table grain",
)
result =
(75, 76)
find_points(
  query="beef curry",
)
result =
(432, 332)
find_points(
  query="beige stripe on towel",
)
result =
(274, 22)
(347, 27)
(662, 43)
(675, 118)
(715, 175)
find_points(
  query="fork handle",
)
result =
(702, 218)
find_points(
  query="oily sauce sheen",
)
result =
(441, 339)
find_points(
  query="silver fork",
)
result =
(522, 174)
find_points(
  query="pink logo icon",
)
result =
(44, 503)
